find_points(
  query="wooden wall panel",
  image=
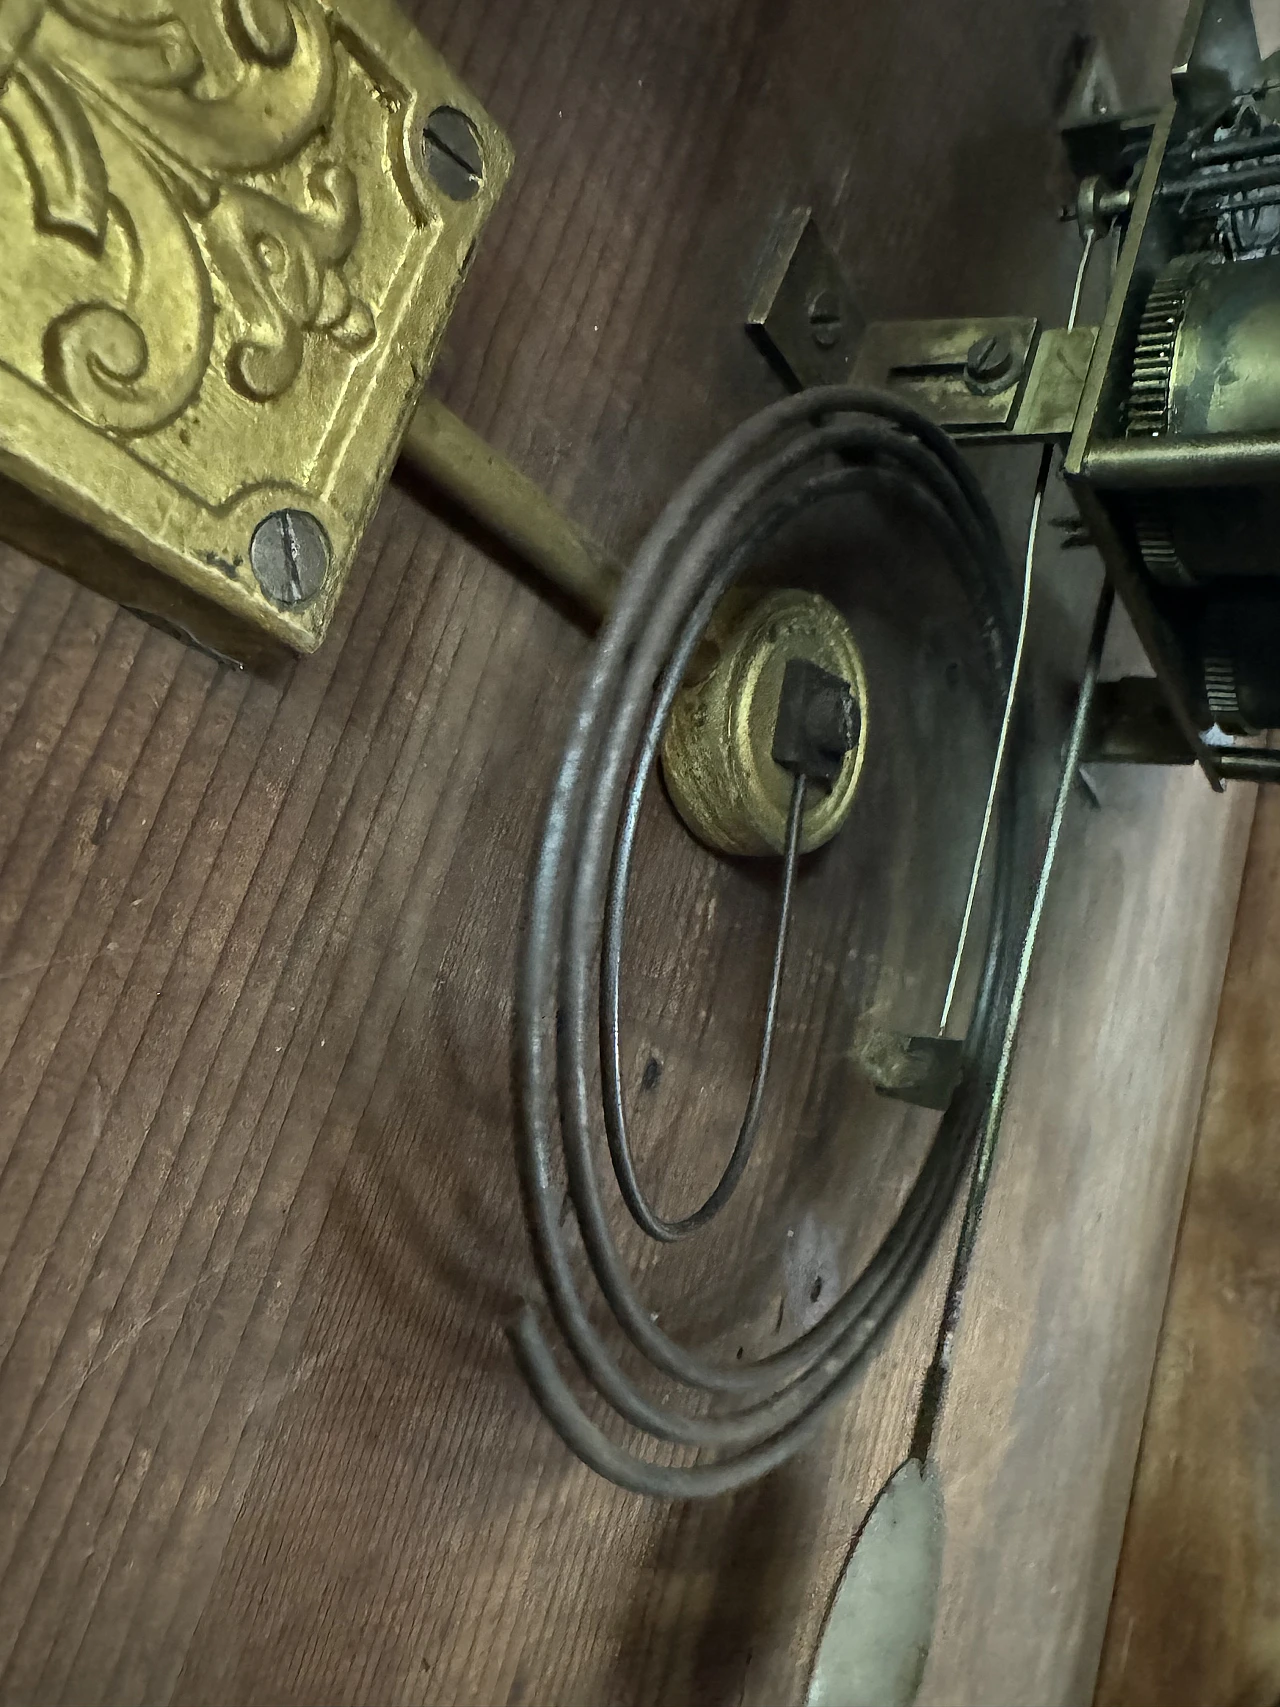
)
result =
(261, 1436)
(1196, 1618)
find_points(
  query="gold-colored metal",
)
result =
(507, 503)
(228, 262)
(806, 321)
(1051, 401)
(1100, 428)
(718, 754)
(1224, 375)
(924, 362)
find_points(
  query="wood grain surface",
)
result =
(262, 1439)
(1196, 1618)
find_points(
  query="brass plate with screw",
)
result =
(233, 235)
(1003, 380)
(717, 756)
(804, 318)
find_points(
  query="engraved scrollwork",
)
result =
(161, 53)
(265, 27)
(64, 163)
(138, 123)
(132, 366)
(19, 20)
(281, 265)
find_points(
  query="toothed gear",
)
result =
(1156, 346)
(1149, 397)
(1221, 693)
(1219, 646)
(1155, 542)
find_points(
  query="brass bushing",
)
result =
(717, 757)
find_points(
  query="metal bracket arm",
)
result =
(991, 380)
(937, 366)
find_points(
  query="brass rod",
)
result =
(509, 505)
(1247, 764)
(1229, 459)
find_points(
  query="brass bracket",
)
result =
(805, 320)
(1133, 724)
(230, 254)
(989, 380)
(922, 1071)
(718, 752)
(929, 364)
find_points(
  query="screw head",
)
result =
(991, 364)
(454, 158)
(290, 555)
(826, 322)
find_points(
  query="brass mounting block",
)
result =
(717, 757)
(233, 237)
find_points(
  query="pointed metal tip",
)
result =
(880, 1627)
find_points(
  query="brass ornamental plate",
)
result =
(233, 232)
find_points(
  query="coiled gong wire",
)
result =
(742, 1418)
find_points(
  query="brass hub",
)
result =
(718, 753)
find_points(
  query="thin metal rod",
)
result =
(1082, 272)
(1235, 148)
(795, 830)
(1015, 677)
(1225, 181)
(1254, 200)
(1154, 464)
(988, 817)
(509, 505)
(940, 1369)
(658, 1226)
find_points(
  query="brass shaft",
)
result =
(717, 757)
(508, 504)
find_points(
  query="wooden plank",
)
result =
(1041, 1432)
(1195, 1614)
(261, 1436)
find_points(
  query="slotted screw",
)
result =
(825, 320)
(290, 555)
(991, 364)
(455, 160)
